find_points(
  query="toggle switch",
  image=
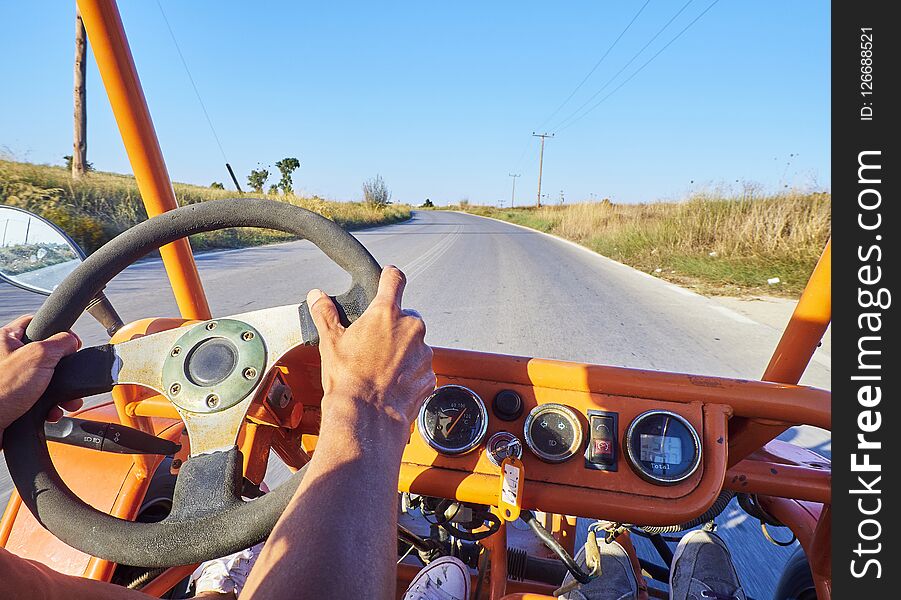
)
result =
(601, 453)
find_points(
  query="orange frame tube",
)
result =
(799, 341)
(120, 77)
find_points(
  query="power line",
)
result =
(624, 67)
(197, 93)
(596, 65)
(639, 70)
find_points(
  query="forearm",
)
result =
(336, 538)
(28, 579)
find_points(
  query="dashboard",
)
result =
(583, 453)
(660, 446)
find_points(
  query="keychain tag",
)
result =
(513, 475)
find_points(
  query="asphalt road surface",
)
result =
(485, 285)
(47, 278)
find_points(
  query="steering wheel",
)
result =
(210, 372)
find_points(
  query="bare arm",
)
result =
(25, 371)
(337, 538)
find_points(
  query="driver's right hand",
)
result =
(380, 364)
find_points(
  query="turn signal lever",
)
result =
(107, 437)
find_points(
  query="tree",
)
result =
(376, 192)
(287, 166)
(427, 204)
(273, 190)
(216, 186)
(257, 179)
(78, 162)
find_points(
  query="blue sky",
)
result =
(441, 98)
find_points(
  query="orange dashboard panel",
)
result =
(571, 486)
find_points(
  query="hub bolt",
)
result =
(247, 336)
(174, 389)
(212, 400)
(250, 373)
(176, 351)
(211, 325)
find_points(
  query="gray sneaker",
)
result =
(703, 570)
(617, 580)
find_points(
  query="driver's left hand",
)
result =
(26, 369)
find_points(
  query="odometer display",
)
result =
(553, 432)
(453, 420)
(663, 447)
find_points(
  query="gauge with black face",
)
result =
(663, 447)
(553, 432)
(453, 420)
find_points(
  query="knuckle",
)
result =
(395, 274)
(417, 327)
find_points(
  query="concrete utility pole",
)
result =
(513, 195)
(543, 136)
(80, 145)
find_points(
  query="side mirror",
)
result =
(37, 256)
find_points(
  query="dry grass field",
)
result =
(718, 245)
(102, 205)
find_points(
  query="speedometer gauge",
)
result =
(663, 447)
(553, 432)
(453, 420)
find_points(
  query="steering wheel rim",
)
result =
(208, 518)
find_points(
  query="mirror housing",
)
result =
(35, 254)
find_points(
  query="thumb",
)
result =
(325, 314)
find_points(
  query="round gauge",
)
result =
(663, 447)
(553, 432)
(502, 445)
(453, 420)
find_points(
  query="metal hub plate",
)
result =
(214, 366)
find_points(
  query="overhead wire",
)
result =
(581, 83)
(624, 67)
(639, 70)
(193, 84)
(596, 65)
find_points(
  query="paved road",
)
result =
(47, 278)
(485, 285)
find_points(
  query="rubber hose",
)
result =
(555, 547)
(714, 511)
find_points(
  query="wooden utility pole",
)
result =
(80, 146)
(543, 136)
(513, 195)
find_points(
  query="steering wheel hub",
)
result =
(214, 366)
